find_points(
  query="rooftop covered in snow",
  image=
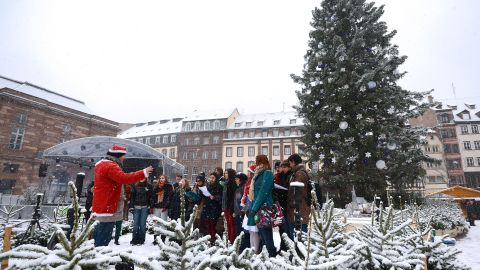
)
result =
(166, 126)
(267, 120)
(43, 93)
(209, 115)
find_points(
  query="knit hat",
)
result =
(251, 169)
(243, 177)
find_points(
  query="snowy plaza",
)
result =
(225, 135)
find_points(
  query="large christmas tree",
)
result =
(356, 115)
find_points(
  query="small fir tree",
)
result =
(78, 253)
(355, 112)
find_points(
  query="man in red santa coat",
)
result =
(108, 192)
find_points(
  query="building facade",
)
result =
(436, 177)
(467, 127)
(276, 135)
(161, 135)
(201, 141)
(33, 119)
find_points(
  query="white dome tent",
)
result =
(70, 158)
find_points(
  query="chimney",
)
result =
(430, 99)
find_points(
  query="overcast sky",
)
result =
(146, 60)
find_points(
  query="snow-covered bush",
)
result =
(442, 215)
(76, 253)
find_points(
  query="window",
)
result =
(293, 121)
(466, 116)
(194, 171)
(147, 141)
(197, 126)
(214, 155)
(10, 168)
(238, 125)
(185, 172)
(196, 141)
(301, 149)
(429, 164)
(188, 126)
(187, 141)
(157, 140)
(165, 139)
(275, 133)
(467, 145)
(239, 167)
(240, 134)
(451, 148)
(470, 162)
(276, 122)
(205, 170)
(230, 135)
(264, 150)
(250, 163)
(185, 156)
(216, 140)
(239, 151)
(194, 155)
(173, 138)
(464, 129)
(251, 134)
(16, 138)
(206, 140)
(67, 129)
(6, 186)
(206, 125)
(216, 124)
(21, 118)
(260, 123)
(205, 155)
(251, 151)
(444, 118)
(172, 153)
(427, 149)
(228, 165)
(287, 150)
(474, 129)
(453, 164)
(276, 150)
(140, 140)
(265, 133)
(228, 151)
(287, 132)
(477, 145)
(478, 161)
(435, 179)
(447, 133)
(248, 124)
(435, 149)
(164, 152)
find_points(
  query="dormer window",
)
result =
(293, 121)
(260, 123)
(276, 122)
(188, 126)
(466, 116)
(248, 124)
(238, 125)
(206, 125)
(197, 126)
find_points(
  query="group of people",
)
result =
(238, 196)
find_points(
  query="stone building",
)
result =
(201, 140)
(33, 119)
(161, 135)
(276, 135)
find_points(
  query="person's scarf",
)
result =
(251, 192)
(161, 191)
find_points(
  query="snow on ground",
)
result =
(470, 247)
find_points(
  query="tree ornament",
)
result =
(391, 110)
(317, 102)
(334, 160)
(372, 84)
(343, 125)
(368, 154)
(359, 116)
(317, 135)
(363, 88)
(321, 156)
(338, 109)
(380, 164)
(391, 146)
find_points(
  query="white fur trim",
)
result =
(103, 215)
(145, 173)
(297, 184)
(103, 160)
(117, 151)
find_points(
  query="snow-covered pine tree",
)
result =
(439, 256)
(325, 247)
(355, 112)
(77, 254)
(184, 248)
(388, 244)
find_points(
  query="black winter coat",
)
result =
(89, 201)
(142, 195)
(212, 209)
(167, 196)
(228, 195)
(175, 205)
(279, 195)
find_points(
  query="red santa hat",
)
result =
(251, 169)
(117, 149)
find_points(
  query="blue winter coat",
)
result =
(263, 188)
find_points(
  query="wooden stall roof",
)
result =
(458, 192)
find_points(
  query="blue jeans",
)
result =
(266, 235)
(238, 225)
(139, 225)
(103, 233)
